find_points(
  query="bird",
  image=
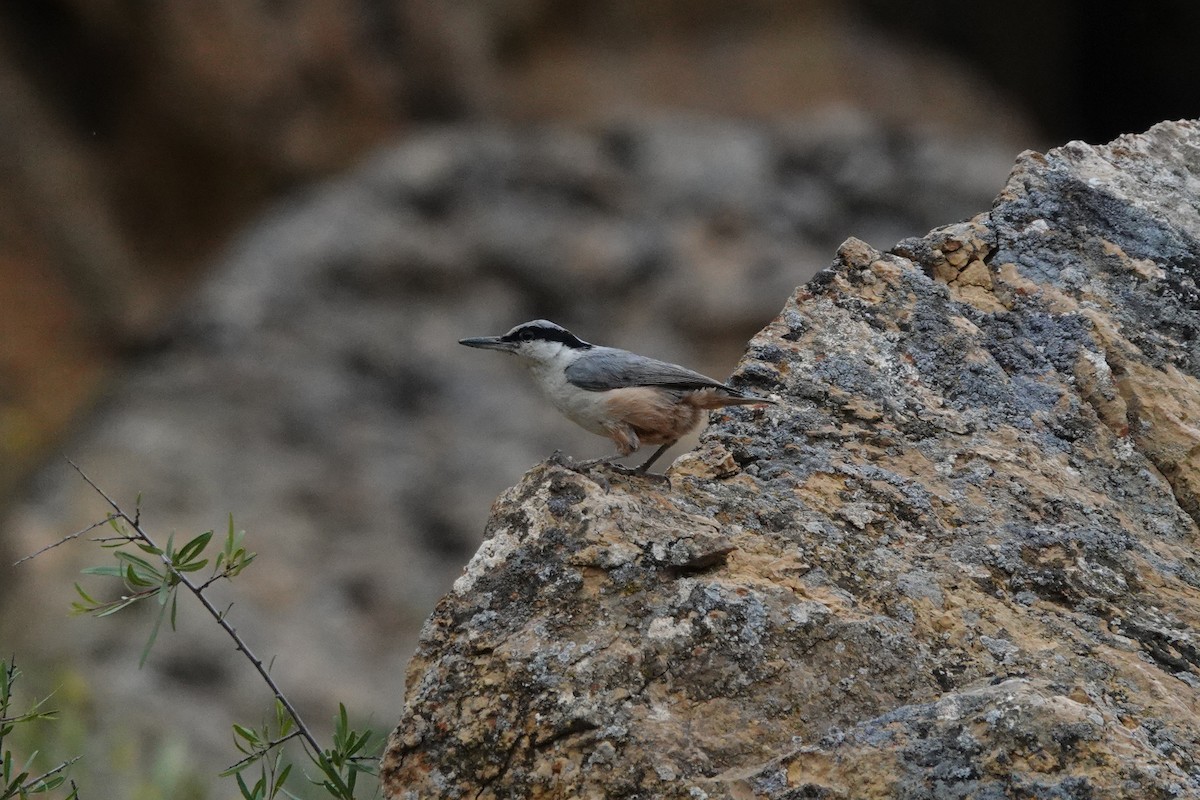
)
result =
(628, 398)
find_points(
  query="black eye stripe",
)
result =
(529, 333)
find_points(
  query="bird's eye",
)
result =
(525, 335)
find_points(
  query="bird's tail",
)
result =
(719, 398)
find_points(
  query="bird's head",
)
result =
(539, 341)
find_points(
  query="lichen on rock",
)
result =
(959, 559)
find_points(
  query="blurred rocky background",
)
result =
(239, 239)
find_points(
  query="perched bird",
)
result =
(631, 399)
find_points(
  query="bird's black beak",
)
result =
(489, 343)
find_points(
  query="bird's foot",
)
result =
(641, 472)
(567, 462)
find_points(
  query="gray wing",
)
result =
(604, 368)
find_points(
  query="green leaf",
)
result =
(86, 597)
(164, 589)
(282, 777)
(146, 547)
(109, 609)
(357, 743)
(145, 566)
(283, 719)
(250, 735)
(244, 559)
(193, 548)
(50, 784)
(153, 635)
(109, 570)
(247, 793)
(133, 578)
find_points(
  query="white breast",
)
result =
(586, 409)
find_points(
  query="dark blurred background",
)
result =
(238, 240)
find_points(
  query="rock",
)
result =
(958, 560)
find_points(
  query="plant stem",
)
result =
(240, 644)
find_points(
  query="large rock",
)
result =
(957, 560)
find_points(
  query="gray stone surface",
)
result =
(959, 560)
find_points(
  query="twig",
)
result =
(65, 539)
(218, 576)
(32, 782)
(302, 730)
(268, 746)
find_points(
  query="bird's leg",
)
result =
(645, 466)
(625, 440)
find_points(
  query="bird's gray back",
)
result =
(604, 368)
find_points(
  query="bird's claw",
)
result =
(561, 459)
(640, 472)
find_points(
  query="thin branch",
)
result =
(239, 643)
(63, 540)
(97, 489)
(32, 782)
(265, 748)
(223, 574)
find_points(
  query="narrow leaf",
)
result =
(132, 578)
(111, 571)
(130, 558)
(111, 608)
(151, 549)
(153, 635)
(246, 733)
(193, 548)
